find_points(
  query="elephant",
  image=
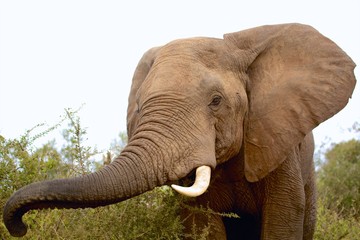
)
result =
(235, 115)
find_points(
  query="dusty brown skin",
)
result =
(244, 105)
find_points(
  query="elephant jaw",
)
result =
(202, 181)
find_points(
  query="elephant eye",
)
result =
(215, 101)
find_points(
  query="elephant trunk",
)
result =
(127, 176)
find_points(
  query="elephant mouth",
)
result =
(186, 181)
(200, 183)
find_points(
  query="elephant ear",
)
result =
(297, 78)
(140, 74)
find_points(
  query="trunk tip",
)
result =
(15, 226)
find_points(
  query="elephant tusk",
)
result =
(200, 185)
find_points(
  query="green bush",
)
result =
(339, 178)
(338, 184)
(331, 225)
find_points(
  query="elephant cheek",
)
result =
(229, 145)
(199, 152)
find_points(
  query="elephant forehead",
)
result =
(191, 45)
(180, 73)
(186, 66)
(210, 52)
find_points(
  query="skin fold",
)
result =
(245, 106)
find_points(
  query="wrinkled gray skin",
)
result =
(244, 105)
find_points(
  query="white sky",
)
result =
(60, 54)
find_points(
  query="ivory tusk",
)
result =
(200, 185)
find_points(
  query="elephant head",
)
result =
(196, 103)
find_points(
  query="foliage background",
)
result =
(152, 215)
(338, 183)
